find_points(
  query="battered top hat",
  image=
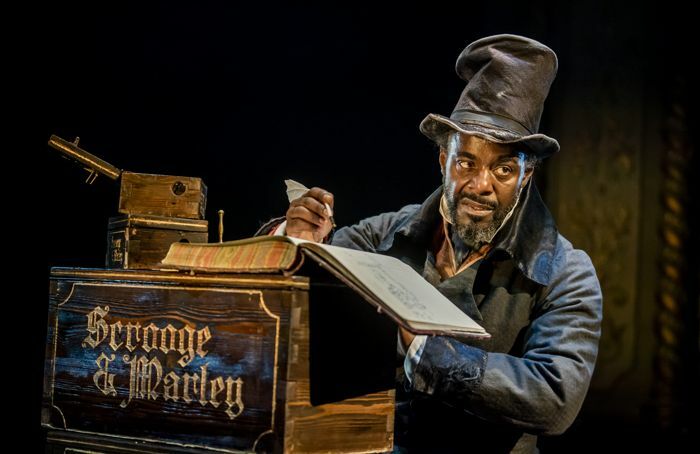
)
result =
(508, 78)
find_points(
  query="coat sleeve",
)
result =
(369, 233)
(268, 227)
(541, 389)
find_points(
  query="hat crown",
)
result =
(508, 76)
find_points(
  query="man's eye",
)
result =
(504, 170)
(462, 164)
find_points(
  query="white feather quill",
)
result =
(295, 189)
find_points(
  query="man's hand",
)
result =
(307, 216)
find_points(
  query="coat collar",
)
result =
(529, 237)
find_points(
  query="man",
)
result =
(486, 240)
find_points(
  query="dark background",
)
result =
(246, 95)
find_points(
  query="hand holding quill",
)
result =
(310, 213)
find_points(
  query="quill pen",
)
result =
(296, 190)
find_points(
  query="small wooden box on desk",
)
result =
(141, 241)
(154, 361)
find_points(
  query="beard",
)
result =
(475, 231)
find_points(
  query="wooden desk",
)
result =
(150, 361)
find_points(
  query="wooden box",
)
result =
(149, 361)
(141, 242)
(162, 195)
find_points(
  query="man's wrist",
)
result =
(280, 230)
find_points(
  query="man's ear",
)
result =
(443, 160)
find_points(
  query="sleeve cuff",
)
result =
(415, 350)
(281, 230)
(448, 367)
(268, 227)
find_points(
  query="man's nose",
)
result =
(481, 182)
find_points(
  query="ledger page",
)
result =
(401, 288)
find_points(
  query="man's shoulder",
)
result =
(404, 212)
(408, 216)
(573, 282)
(389, 219)
(568, 258)
(371, 232)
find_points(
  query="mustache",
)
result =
(478, 199)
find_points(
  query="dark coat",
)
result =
(540, 300)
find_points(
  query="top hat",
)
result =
(508, 78)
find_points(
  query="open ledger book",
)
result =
(393, 286)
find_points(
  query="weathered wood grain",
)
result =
(118, 340)
(357, 424)
(192, 365)
(162, 195)
(141, 242)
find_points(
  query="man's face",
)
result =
(482, 181)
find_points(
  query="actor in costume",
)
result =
(486, 240)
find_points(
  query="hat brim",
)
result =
(437, 128)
